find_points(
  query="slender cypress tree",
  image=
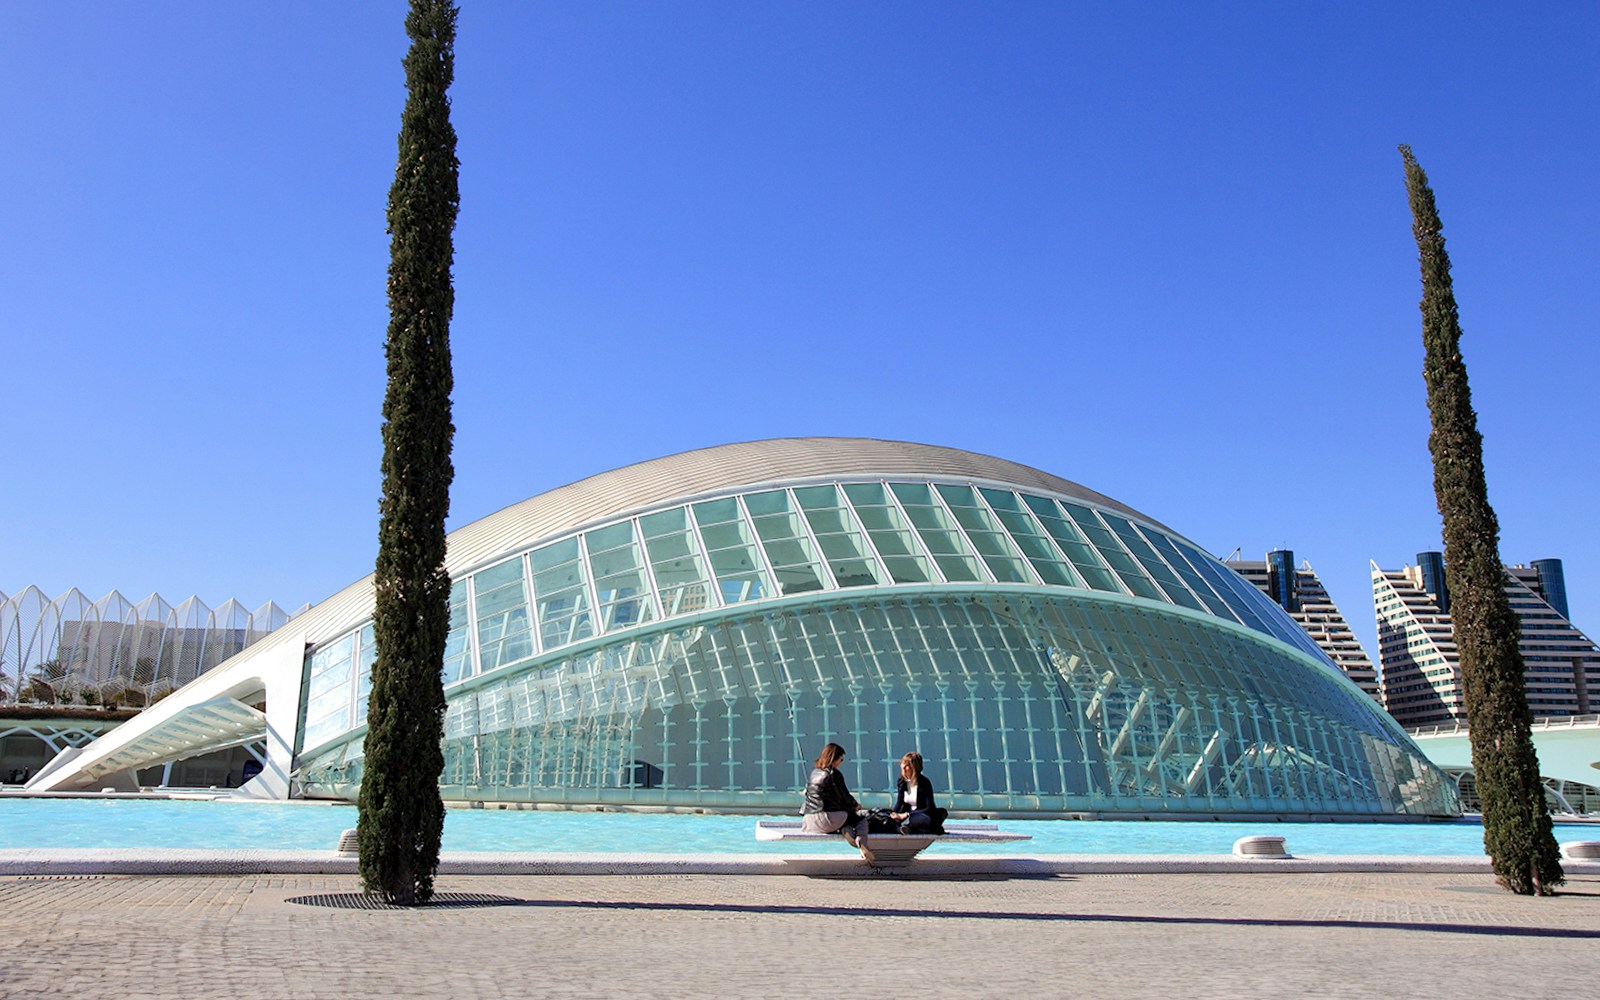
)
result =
(402, 814)
(1516, 821)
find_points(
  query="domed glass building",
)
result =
(688, 632)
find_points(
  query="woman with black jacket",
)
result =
(914, 808)
(829, 806)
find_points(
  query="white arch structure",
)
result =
(1568, 747)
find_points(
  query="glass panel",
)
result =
(907, 569)
(610, 537)
(816, 497)
(619, 580)
(676, 562)
(1113, 553)
(993, 545)
(1176, 560)
(457, 644)
(913, 494)
(502, 608)
(869, 494)
(775, 502)
(1066, 535)
(560, 598)
(619, 560)
(329, 691)
(948, 546)
(366, 653)
(716, 511)
(1030, 539)
(785, 542)
(1218, 576)
(841, 540)
(734, 561)
(1141, 550)
(498, 576)
(958, 496)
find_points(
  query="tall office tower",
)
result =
(1417, 650)
(1298, 591)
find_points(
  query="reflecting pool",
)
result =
(126, 823)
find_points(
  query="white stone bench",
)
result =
(892, 850)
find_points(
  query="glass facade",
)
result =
(1044, 653)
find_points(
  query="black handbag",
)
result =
(878, 821)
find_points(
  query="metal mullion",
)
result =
(892, 502)
(1097, 560)
(811, 536)
(595, 614)
(533, 606)
(355, 674)
(748, 521)
(1089, 540)
(1177, 578)
(1005, 533)
(649, 567)
(1055, 545)
(474, 651)
(866, 538)
(1116, 540)
(955, 525)
(1184, 573)
(693, 524)
(915, 532)
(1198, 575)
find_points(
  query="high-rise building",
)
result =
(1417, 649)
(1297, 590)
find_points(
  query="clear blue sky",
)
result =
(1161, 249)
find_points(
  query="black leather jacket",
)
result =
(826, 792)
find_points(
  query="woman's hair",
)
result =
(914, 759)
(830, 756)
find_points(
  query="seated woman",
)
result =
(829, 806)
(914, 808)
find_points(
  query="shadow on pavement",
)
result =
(445, 900)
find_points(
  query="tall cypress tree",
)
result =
(1516, 821)
(402, 814)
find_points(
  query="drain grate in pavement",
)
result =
(440, 901)
(56, 878)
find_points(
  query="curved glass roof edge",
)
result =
(459, 574)
(720, 493)
(1319, 664)
(1280, 625)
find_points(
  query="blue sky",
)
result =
(1160, 249)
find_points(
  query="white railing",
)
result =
(1549, 722)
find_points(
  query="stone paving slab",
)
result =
(719, 935)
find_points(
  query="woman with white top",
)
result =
(914, 808)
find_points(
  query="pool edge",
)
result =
(128, 861)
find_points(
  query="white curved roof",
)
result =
(690, 474)
(675, 478)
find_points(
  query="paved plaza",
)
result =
(1158, 935)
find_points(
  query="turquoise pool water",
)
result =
(278, 826)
